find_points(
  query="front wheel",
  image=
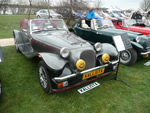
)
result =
(128, 57)
(44, 77)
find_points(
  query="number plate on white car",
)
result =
(88, 87)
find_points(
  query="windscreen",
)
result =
(47, 25)
(104, 23)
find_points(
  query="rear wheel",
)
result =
(16, 45)
(44, 77)
(128, 57)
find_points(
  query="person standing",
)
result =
(91, 14)
(136, 15)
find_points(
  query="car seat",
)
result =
(84, 25)
(94, 25)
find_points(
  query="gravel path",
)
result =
(7, 42)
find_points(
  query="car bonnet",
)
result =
(60, 39)
(113, 31)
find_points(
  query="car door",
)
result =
(100, 36)
(93, 36)
(83, 33)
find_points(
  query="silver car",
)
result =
(43, 13)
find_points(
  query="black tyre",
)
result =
(44, 77)
(128, 57)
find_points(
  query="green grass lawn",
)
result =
(22, 92)
(10, 22)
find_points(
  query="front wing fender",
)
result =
(109, 49)
(53, 61)
(136, 45)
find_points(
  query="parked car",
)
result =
(103, 31)
(1, 59)
(66, 60)
(83, 15)
(107, 16)
(115, 15)
(132, 25)
(43, 13)
(65, 12)
(124, 16)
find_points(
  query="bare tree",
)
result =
(145, 5)
(76, 4)
(80, 4)
(70, 15)
(4, 5)
(48, 6)
(30, 3)
(99, 4)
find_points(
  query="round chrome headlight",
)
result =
(98, 46)
(138, 39)
(64, 52)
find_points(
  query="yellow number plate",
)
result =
(92, 74)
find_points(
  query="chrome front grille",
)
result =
(148, 44)
(89, 57)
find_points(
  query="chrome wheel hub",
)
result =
(43, 77)
(125, 55)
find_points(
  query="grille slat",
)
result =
(89, 57)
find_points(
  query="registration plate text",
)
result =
(93, 73)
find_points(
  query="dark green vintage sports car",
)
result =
(65, 60)
(103, 31)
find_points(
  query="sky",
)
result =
(123, 4)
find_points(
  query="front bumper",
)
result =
(76, 79)
(59, 79)
(145, 53)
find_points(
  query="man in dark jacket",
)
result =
(136, 15)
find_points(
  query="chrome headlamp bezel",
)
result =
(64, 52)
(98, 46)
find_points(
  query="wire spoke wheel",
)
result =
(44, 77)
